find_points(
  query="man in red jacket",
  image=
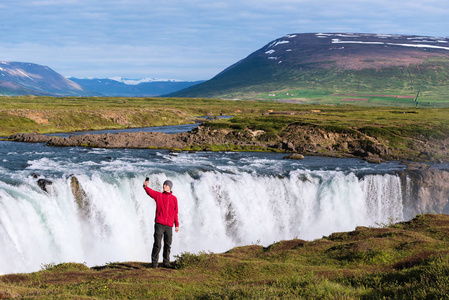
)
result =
(166, 217)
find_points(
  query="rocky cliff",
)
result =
(425, 190)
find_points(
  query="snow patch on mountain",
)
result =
(23, 74)
(338, 41)
(420, 46)
(275, 43)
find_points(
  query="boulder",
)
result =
(81, 198)
(294, 156)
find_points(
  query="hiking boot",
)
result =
(167, 265)
(154, 265)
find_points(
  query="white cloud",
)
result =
(192, 37)
(123, 60)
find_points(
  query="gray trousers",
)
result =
(167, 233)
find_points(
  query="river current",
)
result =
(226, 199)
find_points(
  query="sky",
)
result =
(188, 39)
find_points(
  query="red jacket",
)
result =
(166, 207)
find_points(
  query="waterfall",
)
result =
(218, 210)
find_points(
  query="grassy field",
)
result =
(49, 114)
(407, 260)
(394, 99)
(408, 131)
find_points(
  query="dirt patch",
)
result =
(38, 117)
(14, 278)
(116, 117)
(417, 259)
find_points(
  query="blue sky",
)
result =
(187, 39)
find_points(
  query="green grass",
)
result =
(407, 260)
(392, 99)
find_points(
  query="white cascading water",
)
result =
(218, 211)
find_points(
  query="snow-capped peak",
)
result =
(142, 80)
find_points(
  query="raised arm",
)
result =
(152, 193)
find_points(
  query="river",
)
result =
(226, 199)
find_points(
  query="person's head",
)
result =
(167, 186)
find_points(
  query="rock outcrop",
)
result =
(44, 184)
(425, 190)
(81, 198)
(295, 138)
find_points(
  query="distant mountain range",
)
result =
(20, 78)
(121, 87)
(337, 62)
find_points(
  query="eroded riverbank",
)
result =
(294, 138)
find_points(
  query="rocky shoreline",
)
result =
(303, 141)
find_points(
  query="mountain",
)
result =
(122, 87)
(337, 62)
(20, 78)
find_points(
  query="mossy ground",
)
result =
(408, 260)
